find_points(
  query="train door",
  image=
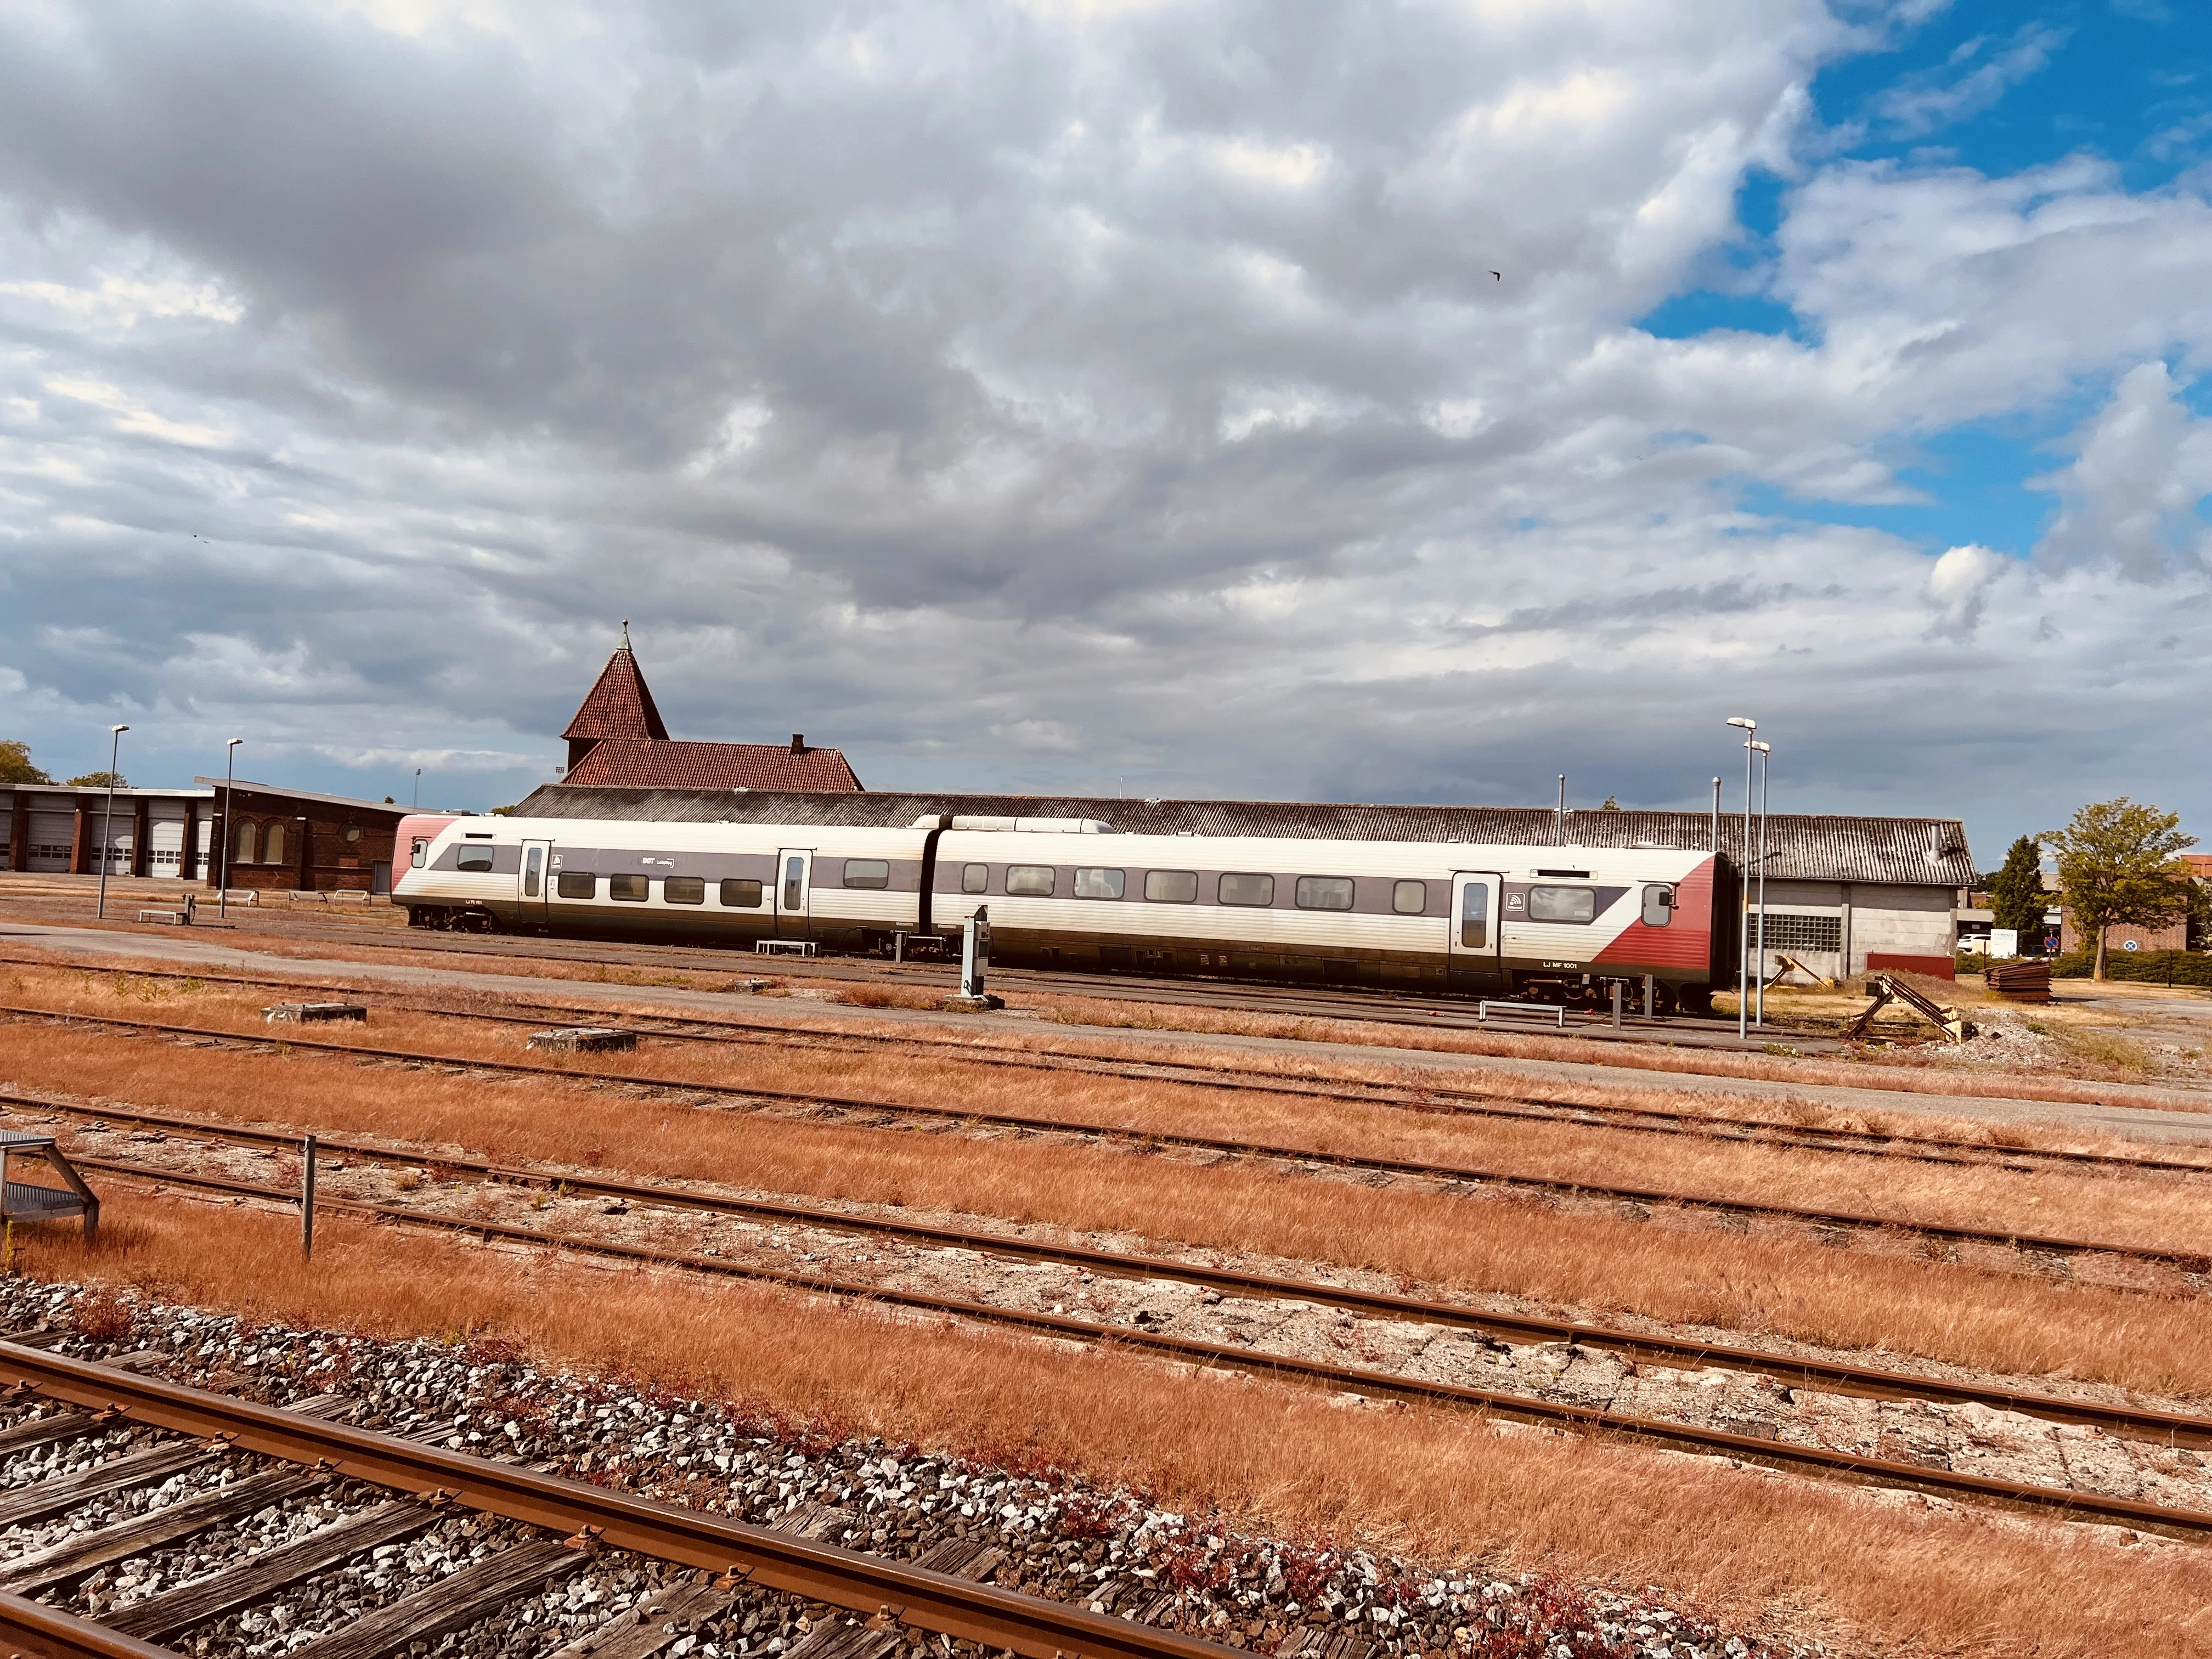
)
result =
(1474, 955)
(794, 882)
(537, 880)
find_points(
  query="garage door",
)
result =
(122, 838)
(165, 841)
(50, 835)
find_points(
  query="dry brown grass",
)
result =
(1925, 1071)
(1765, 1282)
(2157, 1213)
(1871, 1574)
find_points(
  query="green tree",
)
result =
(2016, 896)
(99, 780)
(15, 764)
(2121, 863)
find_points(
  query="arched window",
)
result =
(241, 851)
(272, 848)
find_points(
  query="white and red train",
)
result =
(1554, 922)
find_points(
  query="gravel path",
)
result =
(1109, 1551)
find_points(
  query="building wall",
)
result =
(2122, 937)
(1832, 926)
(54, 828)
(326, 848)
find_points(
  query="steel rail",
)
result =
(2196, 1261)
(1214, 1355)
(998, 1618)
(2170, 1428)
(1929, 1149)
(32, 1630)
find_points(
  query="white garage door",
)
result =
(165, 841)
(52, 834)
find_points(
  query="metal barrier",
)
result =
(1557, 1014)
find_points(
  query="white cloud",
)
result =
(2131, 496)
(1020, 394)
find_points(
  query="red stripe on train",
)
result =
(1685, 942)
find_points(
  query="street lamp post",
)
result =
(418, 790)
(1743, 911)
(229, 766)
(1765, 767)
(107, 819)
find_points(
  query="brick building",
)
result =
(283, 838)
(2122, 936)
(618, 740)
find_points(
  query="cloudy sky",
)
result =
(1371, 401)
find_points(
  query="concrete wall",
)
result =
(1860, 918)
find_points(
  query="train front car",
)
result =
(1557, 923)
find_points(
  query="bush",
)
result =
(2144, 967)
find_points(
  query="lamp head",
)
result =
(1763, 748)
(1745, 721)
(117, 730)
(232, 743)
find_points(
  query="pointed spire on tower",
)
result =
(618, 705)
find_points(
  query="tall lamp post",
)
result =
(418, 790)
(107, 819)
(1750, 728)
(229, 767)
(1765, 765)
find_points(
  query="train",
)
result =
(1551, 923)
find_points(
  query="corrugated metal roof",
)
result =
(1911, 851)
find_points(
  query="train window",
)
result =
(1246, 889)
(1658, 904)
(575, 884)
(974, 877)
(1324, 892)
(466, 857)
(635, 889)
(532, 867)
(417, 855)
(1172, 886)
(1410, 898)
(1030, 880)
(794, 883)
(868, 872)
(1474, 917)
(741, 894)
(684, 890)
(1563, 904)
(1098, 883)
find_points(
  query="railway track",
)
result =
(1362, 1381)
(1649, 1119)
(300, 1453)
(2166, 1427)
(2193, 1262)
(1373, 1008)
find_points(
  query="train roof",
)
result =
(1804, 847)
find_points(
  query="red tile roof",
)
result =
(631, 764)
(619, 705)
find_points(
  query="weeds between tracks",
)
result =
(2159, 1214)
(1765, 1282)
(1894, 1574)
(1910, 1072)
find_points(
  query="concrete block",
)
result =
(307, 1013)
(584, 1039)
